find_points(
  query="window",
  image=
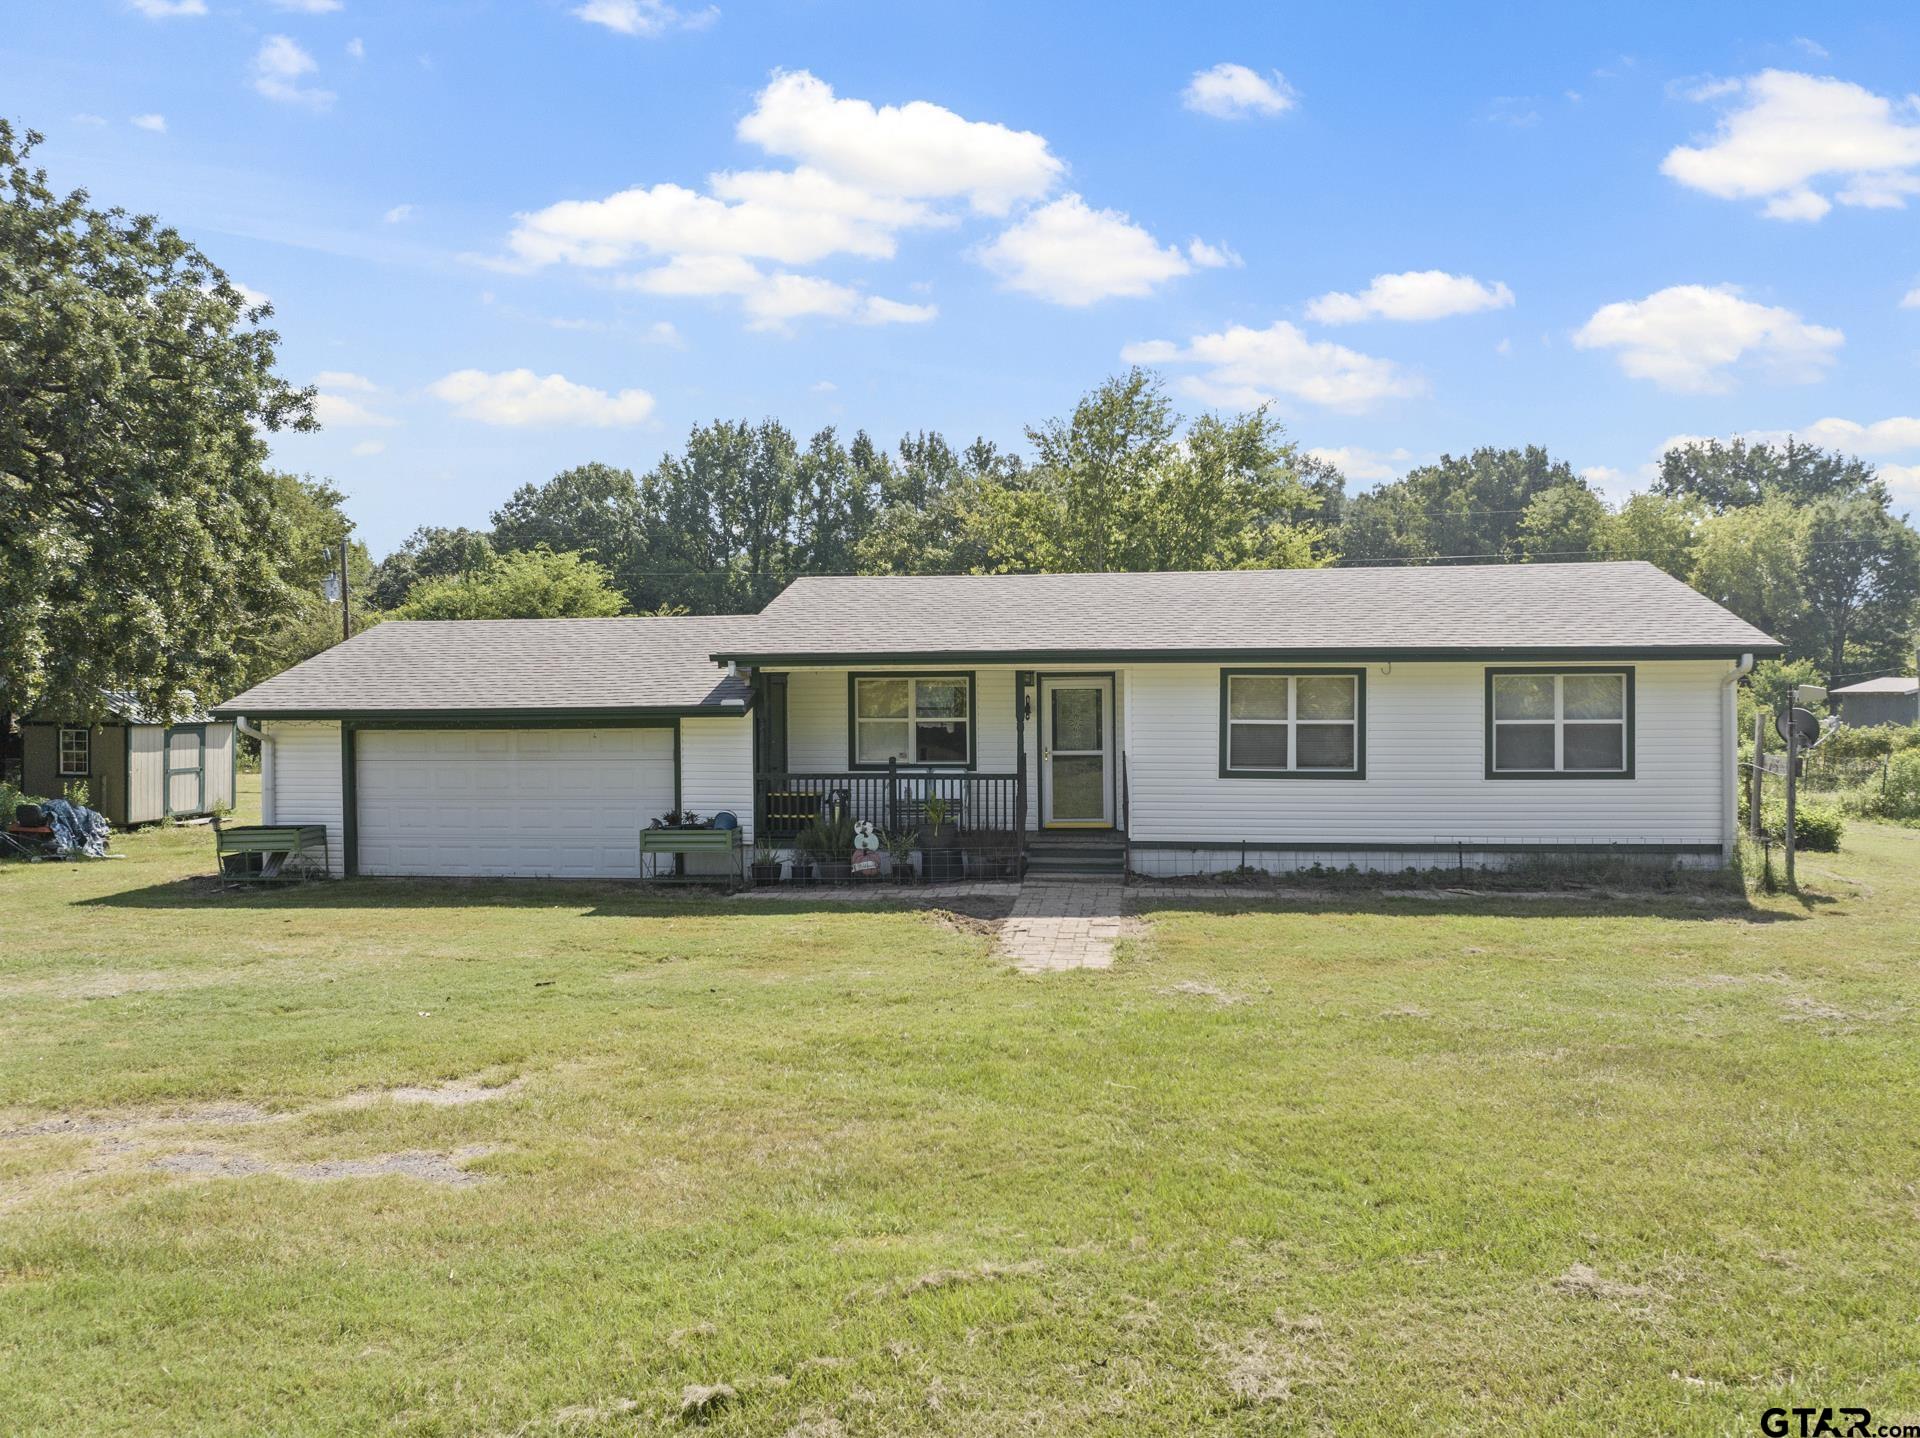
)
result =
(912, 718)
(1573, 723)
(1306, 724)
(76, 753)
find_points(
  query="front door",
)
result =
(1076, 753)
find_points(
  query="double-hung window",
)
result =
(912, 719)
(1307, 724)
(1572, 723)
(76, 753)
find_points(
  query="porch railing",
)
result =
(988, 809)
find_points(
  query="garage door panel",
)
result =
(562, 803)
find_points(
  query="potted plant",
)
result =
(766, 864)
(900, 847)
(940, 855)
(828, 843)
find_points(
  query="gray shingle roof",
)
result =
(1520, 610)
(1894, 685)
(541, 665)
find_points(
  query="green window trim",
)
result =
(1559, 722)
(1359, 721)
(966, 676)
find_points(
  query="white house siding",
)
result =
(1425, 766)
(716, 772)
(300, 779)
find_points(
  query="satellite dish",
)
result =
(1806, 728)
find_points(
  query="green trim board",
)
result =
(1231, 654)
(1359, 770)
(1409, 846)
(498, 718)
(1560, 775)
(973, 715)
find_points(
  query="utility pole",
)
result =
(1793, 763)
(346, 600)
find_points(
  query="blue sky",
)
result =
(507, 236)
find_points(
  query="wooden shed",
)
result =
(137, 768)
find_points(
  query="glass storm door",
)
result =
(1076, 753)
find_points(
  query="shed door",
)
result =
(186, 755)
(537, 803)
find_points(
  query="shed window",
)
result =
(76, 753)
(1305, 724)
(914, 719)
(1578, 722)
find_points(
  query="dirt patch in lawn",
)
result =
(961, 923)
(1581, 1281)
(446, 1168)
(1194, 988)
(453, 1093)
(215, 1115)
(980, 1273)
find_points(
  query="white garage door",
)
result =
(559, 803)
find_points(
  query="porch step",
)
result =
(1101, 860)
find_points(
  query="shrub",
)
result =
(1817, 827)
(10, 800)
(1900, 797)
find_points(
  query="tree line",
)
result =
(1801, 542)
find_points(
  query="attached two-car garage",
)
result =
(482, 803)
(509, 748)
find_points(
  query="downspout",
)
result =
(265, 742)
(1730, 770)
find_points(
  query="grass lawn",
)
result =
(1358, 1165)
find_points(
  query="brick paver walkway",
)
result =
(1063, 924)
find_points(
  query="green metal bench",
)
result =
(680, 842)
(269, 853)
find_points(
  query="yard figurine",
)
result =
(866, 849)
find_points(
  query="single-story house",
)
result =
(1892, 700)
(1383, 718)
(138, 766)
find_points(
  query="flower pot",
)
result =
(801, 872)
(835, 871)
(766, 873)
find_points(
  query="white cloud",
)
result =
(1686, 337)
(643, 17)
(522, 398)
(794, 218)
(1070, 254)
(367, 448)
(1366, 465)
(154, 122)
(169, 9)
(1213, 257)
(278, 66)
(1911, 300)
(249, 295)
(356, 48)
(917, 150)
(335, 408)
(823, 386)
(1887, 436)
(399, 214)
(1246, 367)
(308, 7)
(773, 301)
(1232, 92)
(663, 332)
(92, 122)
(1788, 130)
(1602, 476)
(1414, 295)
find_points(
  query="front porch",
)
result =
(1024, 765)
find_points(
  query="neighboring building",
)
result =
(137, 767)
(1878, 701)
(1384, 718)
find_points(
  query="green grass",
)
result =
(1340, 1167)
